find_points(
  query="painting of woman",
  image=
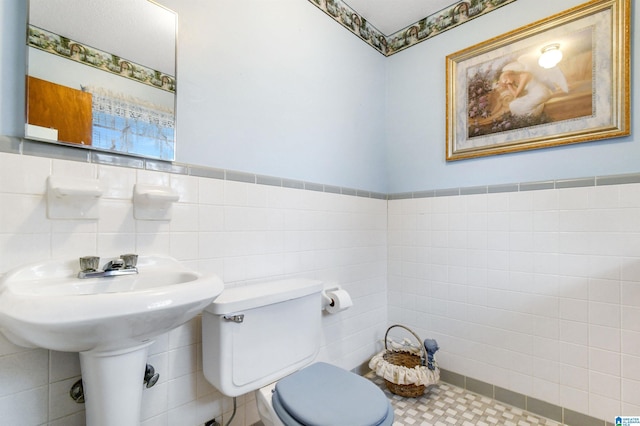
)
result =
(515, 91)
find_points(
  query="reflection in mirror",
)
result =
(102, 75)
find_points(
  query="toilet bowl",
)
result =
(263, 338)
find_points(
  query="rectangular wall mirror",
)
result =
(102, 75)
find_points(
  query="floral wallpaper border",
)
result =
(78, 52)
(430, 26)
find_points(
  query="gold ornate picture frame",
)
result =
(502, 97)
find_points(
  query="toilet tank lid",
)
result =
(238, 298)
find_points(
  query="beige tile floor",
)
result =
(444, 404)
(447, 405)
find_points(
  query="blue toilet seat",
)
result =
(325, 395)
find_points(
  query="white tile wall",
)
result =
(239, 231)
(537, 292)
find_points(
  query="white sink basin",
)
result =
(45, 305)
(110, 321)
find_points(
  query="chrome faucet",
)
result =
(114, 265)
(123, 265)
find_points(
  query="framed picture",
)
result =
(561, 80)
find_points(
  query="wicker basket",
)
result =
(405, 359)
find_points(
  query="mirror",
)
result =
(102, 75)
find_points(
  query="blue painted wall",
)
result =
(13, 19)
(416, 117)
(278, 88)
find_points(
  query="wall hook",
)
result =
(77, 392)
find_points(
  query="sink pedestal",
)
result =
(113, 384)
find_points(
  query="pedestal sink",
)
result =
(110, 321)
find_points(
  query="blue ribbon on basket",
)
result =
(431, 347)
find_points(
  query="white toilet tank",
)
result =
(256, 334)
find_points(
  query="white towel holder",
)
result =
(153, 202)
(73, 198)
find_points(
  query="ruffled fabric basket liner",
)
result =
(401, 375)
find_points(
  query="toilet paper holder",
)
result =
(335, 299)
(326, 299)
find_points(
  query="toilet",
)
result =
(264, 338)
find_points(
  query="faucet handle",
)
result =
(130, 260)
(89, 263)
